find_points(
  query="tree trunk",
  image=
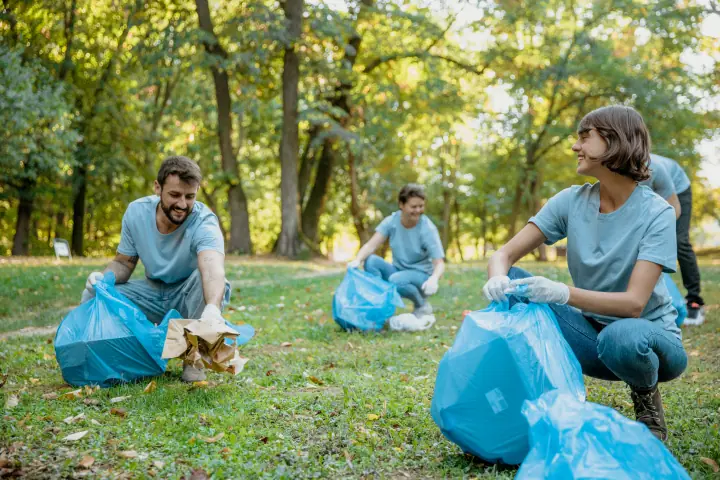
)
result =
(307, 164)
(239, 219)
(316, 202)
(80, 173)
(358, 212)
(288, 244)
(339, 98)
(21, 241)
(67, 65)
(457, 230)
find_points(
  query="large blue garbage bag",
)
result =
(501, 357)
(364, 301)
(108, 340)
(582, 440)
(677, 299)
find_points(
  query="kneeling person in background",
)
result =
(417, 252)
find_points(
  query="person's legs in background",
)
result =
(379, 267)
(688, 262)
(409, 284)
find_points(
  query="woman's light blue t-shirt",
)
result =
(170, 257)
(603, 248)
(412, 248)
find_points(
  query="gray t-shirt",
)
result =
(412, 248)
(679, 178)
(603, 248)
(168, 257)
(660, 181)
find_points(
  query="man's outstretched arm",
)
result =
(212, 272)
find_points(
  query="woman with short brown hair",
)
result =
(618, 317)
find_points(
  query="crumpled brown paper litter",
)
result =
(202, 344)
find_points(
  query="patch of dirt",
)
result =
(30, 331)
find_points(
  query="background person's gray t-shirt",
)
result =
(602, 248)
(680, 180)
(660, 180)
(412, 248)
(168, 257)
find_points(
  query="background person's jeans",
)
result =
(634, 350)
(156, 298)
(685, 254)
(409, 282)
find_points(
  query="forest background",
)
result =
(307, 117)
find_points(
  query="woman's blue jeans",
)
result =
(409, 282)
(637, 351)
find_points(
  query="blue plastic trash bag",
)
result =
(501, 358)
(364, 301)
(108, 340)
(582, 440)
(677, 299)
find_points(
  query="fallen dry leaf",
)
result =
(199, 474)
(120, 412)
(119, 399)
(34, 380)
(128, 454)
(225, 451)
(75, 394)
(50, 396)
(202, 384)
(694, 353)
(74, 419)
(3, 380)
(159, 464)
(88, 390)
(91, 401)
(286, 344)
(95, 422)
(86, 462)
(212, 439)
(348, 459)
(12, 401)
(47, 357)
(712, 463)
(75, 436)
(151, 387)
(269, 372)
(372, 416)
(316, 380)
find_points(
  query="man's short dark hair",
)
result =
(411, 190)
(627, 138)
(183, 167)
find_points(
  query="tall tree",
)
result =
(239, 218)
(289, 243)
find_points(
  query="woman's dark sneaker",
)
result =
(696, 314)
(649, 411)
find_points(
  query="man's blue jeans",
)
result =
(409, 282)
(637, 351)
(156, 298)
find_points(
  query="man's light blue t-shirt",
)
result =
(412, 248)
(660, 180)
(170, 257)
(603, 248)
(680, 179)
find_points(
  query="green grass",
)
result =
(369, 417)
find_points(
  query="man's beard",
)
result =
(166, 210)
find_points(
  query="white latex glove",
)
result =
(354, 263)
(90, 284)
(495, 288)
(430, 287)
(212, 314)
(542, 290)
